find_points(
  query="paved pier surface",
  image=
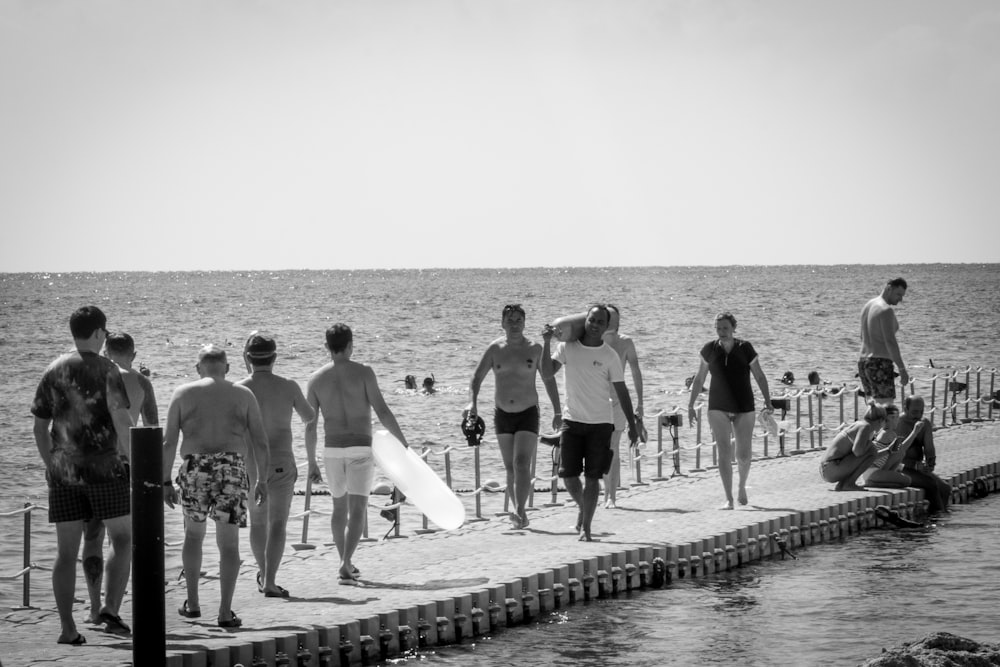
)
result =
(486, 574)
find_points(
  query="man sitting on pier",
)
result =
(920, 458)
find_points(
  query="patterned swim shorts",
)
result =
(878, 377)
(214, 485)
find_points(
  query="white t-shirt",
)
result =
(590, 371)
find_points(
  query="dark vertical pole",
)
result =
(26, 590)
(148, 601)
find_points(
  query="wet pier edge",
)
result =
(425, 589)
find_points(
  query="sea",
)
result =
(437, 323)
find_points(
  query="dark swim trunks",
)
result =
(512, 422)
(586, 448)
(878, 377)
(98, 500)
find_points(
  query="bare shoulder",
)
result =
(242, 390)
(320, 372)
(144, 381)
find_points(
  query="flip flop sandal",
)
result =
(349, 581)
(233, 622)
(114, 624)
(79, 640)
(281, 593)
(187, 613)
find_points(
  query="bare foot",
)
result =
(743, 497)
(524, 520)
(585, 536)
(727, 506)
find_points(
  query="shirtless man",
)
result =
(515, 362)
(879, 349)
(119, 348)
(625, 347)
(217, 419)
(345, 393)
(277, 397)
(593, 371)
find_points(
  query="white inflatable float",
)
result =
(569, 327)
(418, 482)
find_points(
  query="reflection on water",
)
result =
(837, 604)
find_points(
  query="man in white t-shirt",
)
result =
(593, 371)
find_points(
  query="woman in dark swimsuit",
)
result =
(731, 362)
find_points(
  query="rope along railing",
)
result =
(27, 565)
(952, 396)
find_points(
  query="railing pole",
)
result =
(979, 391)
(841, 397)
(967, 393)
(149, 645)
(479, 502)
(819, 413)
(812, 423)
(798, 423)
(993, 377)
(933, 400)
(26, 584)
(697, 436)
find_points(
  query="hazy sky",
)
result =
(271, 134)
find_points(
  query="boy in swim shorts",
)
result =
(345, 393)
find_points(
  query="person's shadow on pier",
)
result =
(658, 510)
(432, 585)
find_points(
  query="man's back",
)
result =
(341, 390)
(277, 397)
(878, 329)
(140, 397)
(213, 416)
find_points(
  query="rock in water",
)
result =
(940, 649)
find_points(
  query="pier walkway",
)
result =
(441, 587)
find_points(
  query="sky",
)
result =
(325, 134)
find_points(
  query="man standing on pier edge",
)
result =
(879, 349)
